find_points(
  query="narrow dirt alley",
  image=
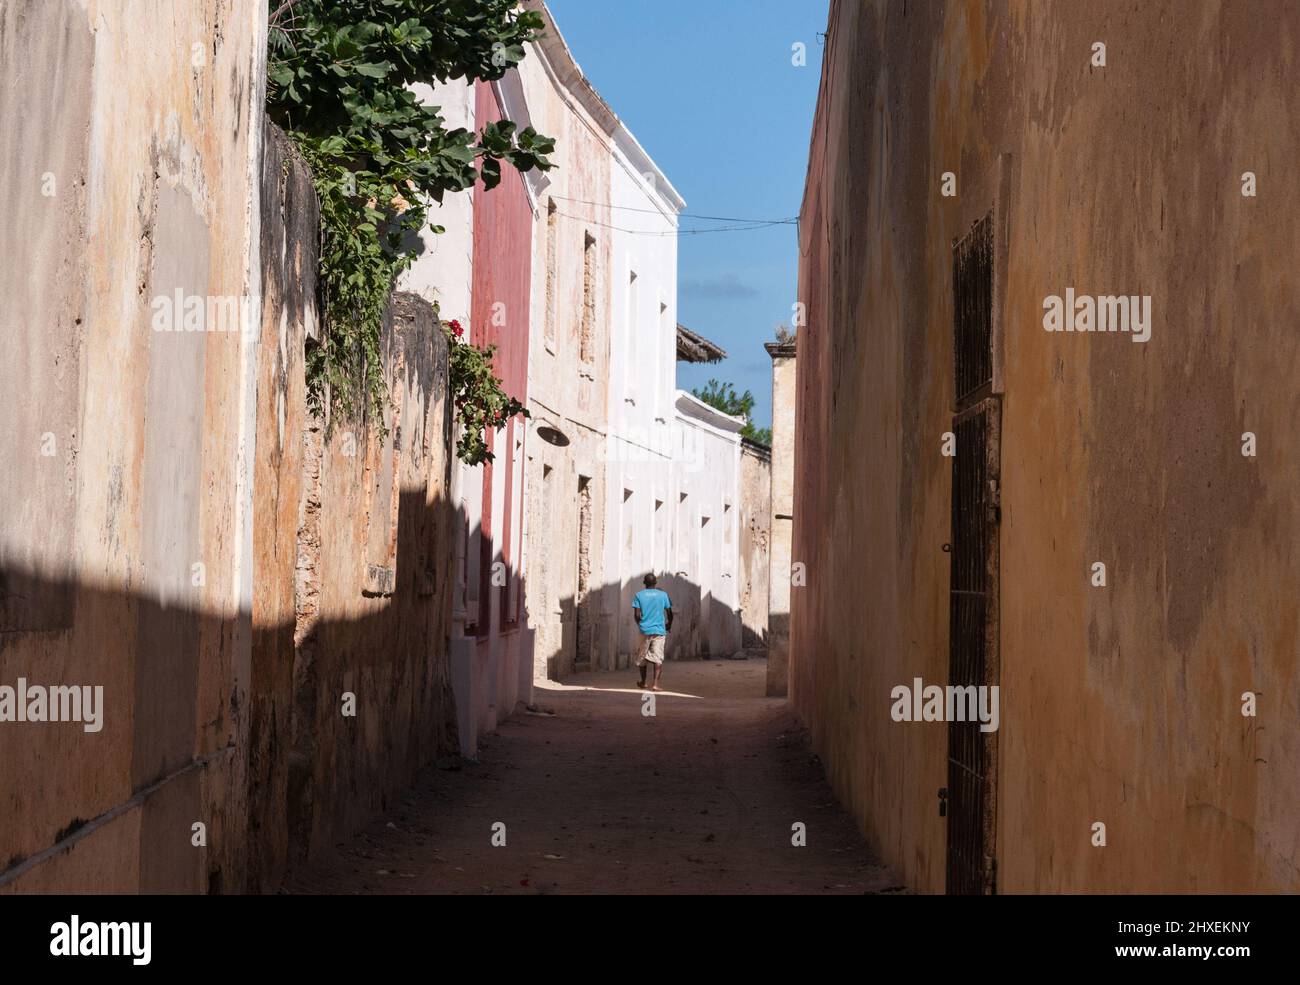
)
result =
(598, 798)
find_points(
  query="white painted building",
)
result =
(703, 575)
(621, 473)
(640, 460)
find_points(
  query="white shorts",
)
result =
(652, 650)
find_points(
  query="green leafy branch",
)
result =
(723, 397)
(339, 77)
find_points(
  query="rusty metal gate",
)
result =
(973, 586)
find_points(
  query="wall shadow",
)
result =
(259, 749)
(704, 627)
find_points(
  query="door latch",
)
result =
(943, 801)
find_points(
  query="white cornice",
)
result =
(638, 163)
(696, 411)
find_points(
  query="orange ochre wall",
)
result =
(1122, 704)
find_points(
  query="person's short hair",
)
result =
(650, 580)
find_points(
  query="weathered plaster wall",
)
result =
(1121, 704)
(478, 272)
(781, 503)
(353, 561)
(705, 534)
(755, 545)
(569, 379)
(373, 595)
(161, 548)
(443, 274)
(128, 175)
(289, 238)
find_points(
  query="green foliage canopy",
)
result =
(339, 77)
(723, 397)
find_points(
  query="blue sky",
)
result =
(709, 90)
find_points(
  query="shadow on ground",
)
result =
(597, 797)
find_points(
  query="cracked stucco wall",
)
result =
(128, 176)
(1123, 704)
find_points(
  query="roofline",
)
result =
(692, 406)
(695, 339)
(640, 163)
(565, 72)
(816, 134)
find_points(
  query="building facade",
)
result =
(500, 316)
(479, 272)
(962, 469)
(782, 573)
(705, 544)
(639, 450)
(610, 448)
(569, 371)
(755, 546)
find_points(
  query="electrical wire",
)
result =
(756, 224)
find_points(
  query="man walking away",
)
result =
(653, 612)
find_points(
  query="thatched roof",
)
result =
(692, 348)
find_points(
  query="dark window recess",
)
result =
(972, 312)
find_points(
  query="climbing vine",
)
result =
(480, 402)
(339, 83)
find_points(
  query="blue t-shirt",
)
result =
(653, 603)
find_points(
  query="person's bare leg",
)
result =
(642, 668)
(659, 669)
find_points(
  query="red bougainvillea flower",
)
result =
(456, 329)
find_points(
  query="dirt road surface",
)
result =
(597, 797)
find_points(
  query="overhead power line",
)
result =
(754, 224)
